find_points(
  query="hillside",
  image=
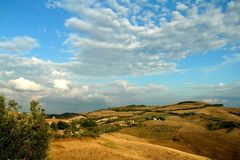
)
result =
(116, 147)
(187, 130)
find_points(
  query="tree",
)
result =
(2, 105)
(54, 126)
(74, 127)
(88, 123)
(63, 125)
(23, 135)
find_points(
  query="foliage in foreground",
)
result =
(22, 135)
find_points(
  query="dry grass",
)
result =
(76, 118)
(115, 147)
(191, 138)
(182, 106)
(109, 113)
(219, 112)
(51, 120)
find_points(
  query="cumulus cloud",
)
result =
(61, 84)
(33, 68)
(25, 85)
(19, 44)
(214, 101)
(118, 8)
(87, 97)
(65, 97)
(116, 39)
(5, 73)
(181, 7)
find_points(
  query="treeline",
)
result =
(81, 128)
(63, 115)
(128, 108)
(229, 125)
(185, 114)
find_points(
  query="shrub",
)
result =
(173, 113)
(223, 124)
(108, 128)
(235, 113)
(187, 102)
(88, 123)
(93, 132)
(23, 135)
(147, 117)
(96, 131)
(74, 127)
(54, 126)
(161, 117)
(63, 125)
(63, 115)
(187, 114)
(213, 105)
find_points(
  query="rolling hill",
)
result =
(187, 130)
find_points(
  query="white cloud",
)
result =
(214, 101)
(4, 73)
(118, 7)
(61, 84)
(33, 68)
(19, 44)
(24, 85)
(92, 96)
(181, 7)
(106, 42)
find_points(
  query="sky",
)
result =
(78, 55)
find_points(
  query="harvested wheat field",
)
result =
(115, 147)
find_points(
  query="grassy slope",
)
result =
(116, 147)
(191, 138)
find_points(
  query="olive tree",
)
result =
(23, 135)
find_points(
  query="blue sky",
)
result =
(76, 55)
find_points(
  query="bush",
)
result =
(187, 114)
(235, 113)
(93, 132)
(108, 128)
(88, 123)
(63, 125)
(96, 131)
(23, 135)
(54, 126)
(223, 124)
(213, 105)
(74, 127)
(161, 117)
(187, 102)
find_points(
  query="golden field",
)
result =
(115, 147)
(183, 134)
